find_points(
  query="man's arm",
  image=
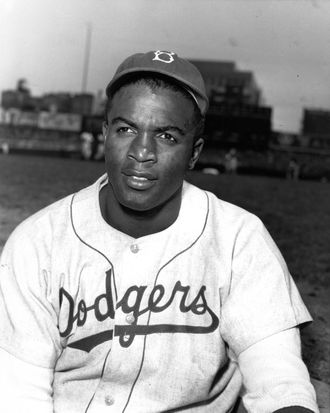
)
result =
(29, 337)
(24, 387)
(275, 377)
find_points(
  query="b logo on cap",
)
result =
(169, 56)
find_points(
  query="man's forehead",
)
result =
(134, 92)
(158, 108)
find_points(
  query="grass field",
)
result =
(297, 214)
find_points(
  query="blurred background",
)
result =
(266, 65)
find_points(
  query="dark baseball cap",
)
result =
(168, 64)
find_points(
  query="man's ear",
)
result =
(197, 149)
(104, 128)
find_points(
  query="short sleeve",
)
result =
(263, 298)
(28, 321)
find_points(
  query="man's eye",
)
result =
(168, 137)
(125, 129)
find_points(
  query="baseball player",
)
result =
(141, 292)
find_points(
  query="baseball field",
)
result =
(297, 214)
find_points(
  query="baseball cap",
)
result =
(168, 64)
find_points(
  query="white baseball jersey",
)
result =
(143, 325)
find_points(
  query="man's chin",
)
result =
(139, 207)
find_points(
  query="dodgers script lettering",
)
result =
(130, 303)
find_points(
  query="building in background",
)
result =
(56, 102)
(62, 102)
(48, 123)
(236, 117)
(316, 128)
(15, 99)
(82, 103)
(225, 83)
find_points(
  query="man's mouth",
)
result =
(139, 174)
(139, 180)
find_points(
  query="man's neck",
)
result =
(138, 223)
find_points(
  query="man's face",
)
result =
(149, 145)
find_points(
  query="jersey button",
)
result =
(108, 400)
(130, 318)
(134, 248)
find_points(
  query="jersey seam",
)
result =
(113, 272)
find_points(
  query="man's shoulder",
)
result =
(53, 211)
(222, 210)
(50, 219)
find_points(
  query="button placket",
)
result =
(134, 248)
(130, 318)
(108, 400)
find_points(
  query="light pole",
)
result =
(86, 57)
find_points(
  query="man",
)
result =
(143, 293)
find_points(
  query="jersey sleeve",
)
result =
(274, 375)
(262, 297)
(24, 388)
(28, 320)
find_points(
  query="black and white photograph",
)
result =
(165, 206)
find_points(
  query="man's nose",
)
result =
(143, 148)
